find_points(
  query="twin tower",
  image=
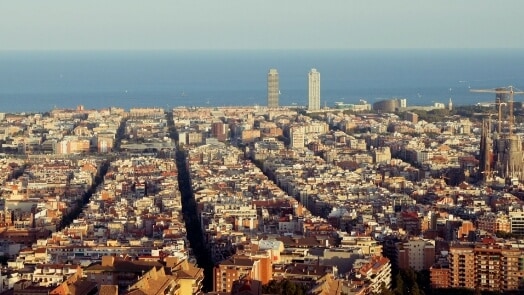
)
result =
(273, 90)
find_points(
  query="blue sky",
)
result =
(259, 24)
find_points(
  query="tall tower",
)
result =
(486, 147)
(273, 90)
(314, 90)
(450, 104)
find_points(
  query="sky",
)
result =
(259, 24)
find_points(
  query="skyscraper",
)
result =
(272, 88)
(314, 90)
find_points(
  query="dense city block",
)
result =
(256, 200)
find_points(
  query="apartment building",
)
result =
(417, 254)
(487, 266)
(377, 270)
(258, 267)
(517, 222)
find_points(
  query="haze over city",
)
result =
(269, 24)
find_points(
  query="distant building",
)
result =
(228, 271)
(195, 137)
(417, 254)
(462, 267)
(492, 222)
(118, 271)
(517, 222)
(390, 105)
(105, 144)
(314, 90)
(250, 135)
(72, 145)
(146, 112)
(359, 107)
(382, 155)
(411, 222)
(439, 277)
(219, 131)
(297, 137)
(377, 271)
(189, 276)
(412, 117)
(246, 286)
(483, 266)
(273, 90)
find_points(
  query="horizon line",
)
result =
(252, 49)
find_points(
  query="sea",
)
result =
(39, 81)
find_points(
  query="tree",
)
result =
(289, 287)
(415, 290)
(407, 281)
(399, 285)
(284, 287)
(385, 291)
(424, 281)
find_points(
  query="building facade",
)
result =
(417, 254)
(517, 222)
(273, 90)
(297, 137)
(314, 90)
(239, 266)
(483, 266)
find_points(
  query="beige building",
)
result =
(105, 144)
(487, 222)
(462, 266)
(412, 117)
(273, 90)
(188, 276)
(489, 267)
(72, 146)
(195, 137)
(238, 266)
(313, 90)
(366, 244)
(250, 135)
(297, 137)
(417, 254)
(146, 112)
(382, 155)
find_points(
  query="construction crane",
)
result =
(506, 90)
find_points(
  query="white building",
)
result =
(297, 137)
(377, 270)
(417, 254)
(517, 222)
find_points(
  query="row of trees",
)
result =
(80, 203)
(284, 287)
(409, 282)
(189, 211)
